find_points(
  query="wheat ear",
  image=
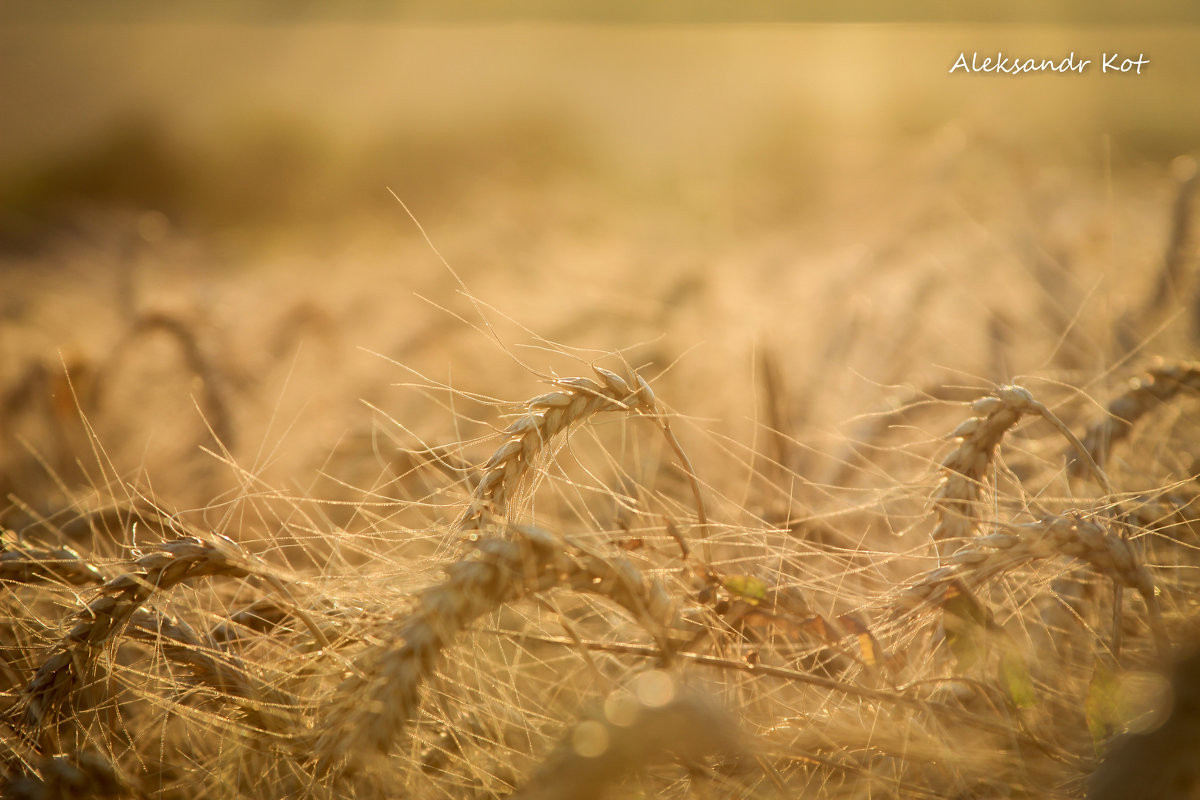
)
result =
(1142, 395)
(263, 706)
(1069, 535)
(213, 396)
(85, 774)
(546, 416)
(373, 706)
(21, 563)
(960, 490)
(171, 564)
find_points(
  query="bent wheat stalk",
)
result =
(373, 706)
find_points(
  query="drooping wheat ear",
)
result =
(373, 706)
(21, 563)
(1173, 279)
(171, 564)
(1142, 395)
(961, 487)
(548, 415)
(261, 616)
(213, 398)
(1071, 535)
(654, 717)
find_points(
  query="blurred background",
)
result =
(196, 209)
(241, 115)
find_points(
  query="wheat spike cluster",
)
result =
(599, 592)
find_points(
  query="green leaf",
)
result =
(750, 589)
(1014, 676)
(1102, 706)
(966, 622)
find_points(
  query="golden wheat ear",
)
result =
(575, 400)
(961, 488)
(51, 690)
(655, 717)
(373, 706)
(1088, 539)
(1143, 394)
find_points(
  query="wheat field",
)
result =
(873, 478)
